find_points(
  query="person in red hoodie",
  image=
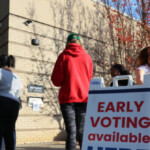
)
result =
(72, 72)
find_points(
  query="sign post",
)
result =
(118, 118)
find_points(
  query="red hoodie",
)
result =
(73, 71)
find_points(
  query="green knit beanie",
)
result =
(73, 36)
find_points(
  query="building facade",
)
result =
(49, 22)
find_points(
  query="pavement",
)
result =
(55, 145)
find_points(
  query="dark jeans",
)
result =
(2, 145)
(74, 118)
(3, 142)
(8, 115)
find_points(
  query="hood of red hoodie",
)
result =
(74, 49)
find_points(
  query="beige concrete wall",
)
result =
(52, 21)
(78, 16)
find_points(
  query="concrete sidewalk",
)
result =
(56, 145)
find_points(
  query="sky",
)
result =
(129, 9)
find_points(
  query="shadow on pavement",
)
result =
(56, 145)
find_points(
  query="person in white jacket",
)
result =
(143, 65)
(10, 89)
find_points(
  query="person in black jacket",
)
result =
(117, 70)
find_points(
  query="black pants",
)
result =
(3, 142)
(74, 118)
(8, 115)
